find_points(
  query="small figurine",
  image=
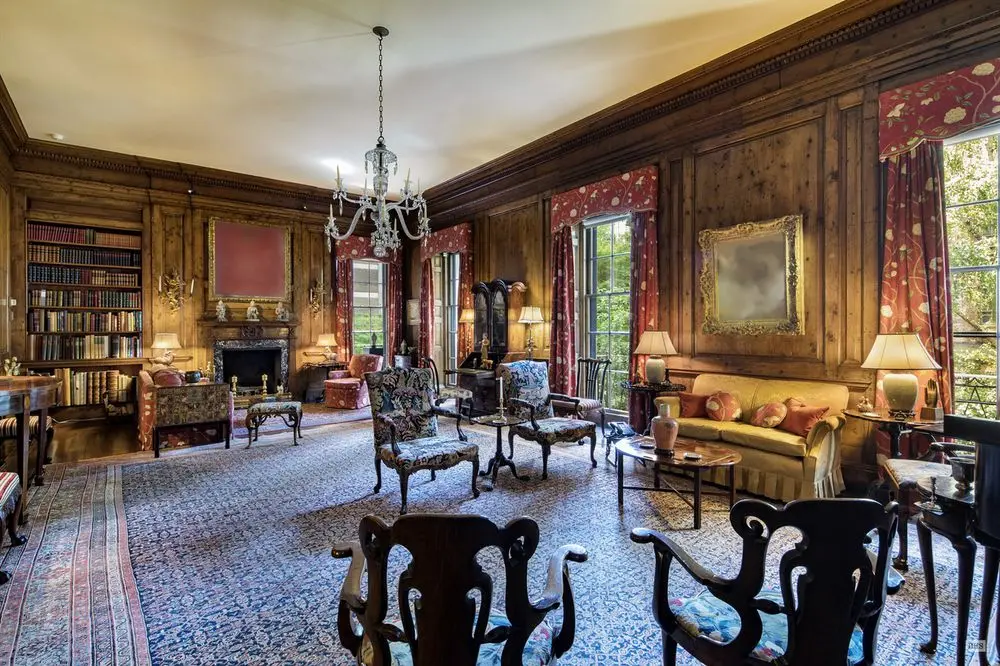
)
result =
(253, 312)
(484, 347)
(404, 349)
(233, 382)
(281, 312)
(263, 381)
(280, 389)
(12, 366)
(221, 312)
(864, 405)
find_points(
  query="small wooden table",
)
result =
(651, 391)
(895, 428)
(641, 448)
(20, 396)
(499, 459)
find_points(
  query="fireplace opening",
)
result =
(249, 365)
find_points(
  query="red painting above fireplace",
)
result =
(249, 260)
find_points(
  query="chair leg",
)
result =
(902, 528)
(593, 447)
(378, 475)
(229, 431)
(433, 475)
(12, 520)
(404, 482)
(475, 477)
(510, 444)
(669, 650)
(545, 461)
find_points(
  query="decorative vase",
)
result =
(665, 430)
(192, 376)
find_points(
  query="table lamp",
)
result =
(899, 352)
(167, 342)
(468, 316)
(530, 314)
(328, 341)
(655, 345)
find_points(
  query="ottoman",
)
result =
(10, 510)
(289, 411)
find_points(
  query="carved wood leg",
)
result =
(43, 446)
(475, 476)
(12, 521)
(927, 558)
(905, 497)
(545, 461)
(697, 498)
(510, 444)
(23, 436)
(966, 549)
(228, 429)
(433, 475)
(990, 570)
(593, 446)
(404, 482)
(378, 475)
(156, 442)
(669, 650)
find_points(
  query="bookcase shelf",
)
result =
(84, 363)
(79, 333)
(77, 285)
(101, 266)
(82, 309)
(99, 246)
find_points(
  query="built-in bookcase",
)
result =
(85, 309)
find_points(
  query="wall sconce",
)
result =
(170, 286)
(317, 295)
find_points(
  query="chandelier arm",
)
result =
(406, 229)
(350, 229)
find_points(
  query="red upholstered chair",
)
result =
(346, 389)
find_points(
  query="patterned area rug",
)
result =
(229, 554)
(313, 416)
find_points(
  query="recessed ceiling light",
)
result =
(55, 136)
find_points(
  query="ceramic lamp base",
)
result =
(900, 390)
(656, 370)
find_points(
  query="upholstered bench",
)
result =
(902, 475)
(289, 411)
(10, 511)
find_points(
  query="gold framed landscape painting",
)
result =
(751, 279)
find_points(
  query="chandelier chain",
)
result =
(380, 137)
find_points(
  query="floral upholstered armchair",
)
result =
(405, 422)
(526, 387)
(200, 412)
(346, 389)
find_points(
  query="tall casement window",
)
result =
(971, 209)
(452, 305)
(369, 304)
(605, 299)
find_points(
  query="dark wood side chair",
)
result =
(591, 384)
(833, 585)
(452, 624)
(461, 396)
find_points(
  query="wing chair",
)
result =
(346, 389)
(203, 407)
(453, 626)
(405, 423)
(526, 390)
(833, 585)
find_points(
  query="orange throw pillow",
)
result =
(722, 406)
(769, 415)
(801, 418)
(693, 405)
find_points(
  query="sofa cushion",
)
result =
(743, 388)
(723, 406)
(769, 415)
(692, 405)
(801, 418)
(764, 439)
(814, 394)
(706, 429)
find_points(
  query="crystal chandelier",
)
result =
(380, 159)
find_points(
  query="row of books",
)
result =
(78, 255)
(60, 321)
(82, 348)
(87, 276)
(66, 298)
(57, 234)
(88, 388)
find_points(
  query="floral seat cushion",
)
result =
(555, 430)
(904, 473)
(428, 452)
(283, 407)
(454, 392)
(537, 651)
(705, 615)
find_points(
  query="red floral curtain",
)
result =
(915, 290)
(938, 108)
(453, 240)
(426, 309)
(645, 305)
(630, 192)
(359, 247)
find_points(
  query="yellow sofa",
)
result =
(776, 464)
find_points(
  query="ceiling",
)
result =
(287, 88)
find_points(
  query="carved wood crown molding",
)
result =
(631, 113)
(12, 132)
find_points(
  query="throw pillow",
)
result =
(722, 406)
(693, 405)
(801, 418)
(769, 415)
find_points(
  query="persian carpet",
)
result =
(314, 415)
(223, 557)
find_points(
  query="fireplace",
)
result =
(248, 360)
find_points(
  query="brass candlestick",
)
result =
(232, 382)
(263, 382)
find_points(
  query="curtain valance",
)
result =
(360, 247)
(632, 191)
(456, 239)
(938, 108)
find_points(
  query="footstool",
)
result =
(902, 475)
(10, 511)
(289, 411)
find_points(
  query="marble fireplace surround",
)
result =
(220, 346)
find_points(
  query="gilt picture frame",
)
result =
(751, 280)
(249, 260)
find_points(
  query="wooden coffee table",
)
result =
(711, 456)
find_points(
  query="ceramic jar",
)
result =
(664, 430)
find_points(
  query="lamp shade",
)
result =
(899, 351)
(655, 343)
(166, 341)
(468, 316)
(326, 340)
(531, 314)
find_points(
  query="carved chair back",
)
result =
(592, 378)
(429, 363)
(360, 364)
(445, 597)
(527, 381)
(830, 581)
(406, 396)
